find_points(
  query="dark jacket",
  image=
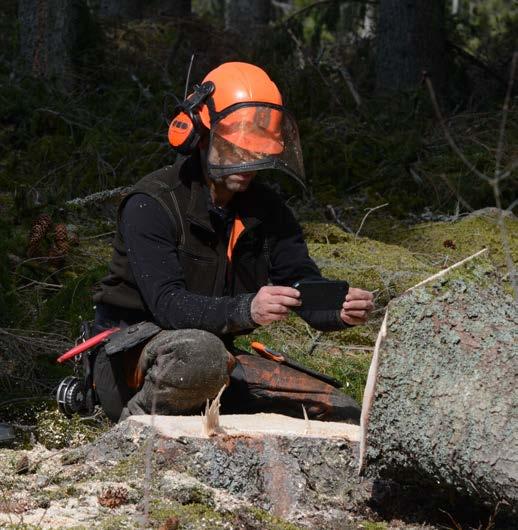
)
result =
(197, 287)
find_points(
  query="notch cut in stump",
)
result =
(441, 401)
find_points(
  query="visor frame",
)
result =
(268, 162)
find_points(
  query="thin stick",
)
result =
(337, 220)
(98, 236)
(505, 112)
(447, 134)
(41, 284)
(459, 197)
(314, 342)
(367, 214)
(350, 85)
(449, 269)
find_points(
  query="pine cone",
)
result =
(22, 465)
(60, 232)
(61, 247)
(40, 227)
(113, 497)
(59, 250)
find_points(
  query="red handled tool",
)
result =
(86, 345)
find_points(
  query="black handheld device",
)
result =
(321, 295)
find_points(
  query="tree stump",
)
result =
(299, 470)
(441, 402)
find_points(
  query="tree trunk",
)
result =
(169, 8)
(49, 33)
(244, 17)
(411, 38)
(441, 402)
(127, 9)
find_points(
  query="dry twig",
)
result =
(370, 210)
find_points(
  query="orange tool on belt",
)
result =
(267, 353)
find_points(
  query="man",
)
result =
(207, 253)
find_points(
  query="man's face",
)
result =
(238, 182)
(230, 154)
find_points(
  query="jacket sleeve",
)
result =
(150, 238)
(290, 262)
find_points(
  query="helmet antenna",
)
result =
(188, 76)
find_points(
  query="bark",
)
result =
(169, 8)
(50, 31)
(127, 9)
(411, 38)
(244, 17)
(441, 402)
(302, 471)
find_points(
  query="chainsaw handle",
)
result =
(86, 345)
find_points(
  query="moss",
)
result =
(198, 515)
(55, 430)
(21, 526)
(116, 522)
(131, 467)
(190, 515)
(271, 522)
(363, 262)
(443, 243)
(371, 525)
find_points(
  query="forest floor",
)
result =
(46, 483)
(116, 482)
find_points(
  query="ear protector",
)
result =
(186, 126)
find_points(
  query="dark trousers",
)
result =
(184, 368)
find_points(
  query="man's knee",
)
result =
(193, 353)
(183, 368)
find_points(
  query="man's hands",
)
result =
(273, 303)
(357, 306)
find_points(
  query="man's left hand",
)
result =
(357, 306)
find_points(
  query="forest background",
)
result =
(383, 93)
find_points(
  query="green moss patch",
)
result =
(196, 515)
(363, 262)
(443, 243)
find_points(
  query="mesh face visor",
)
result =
(254, 136)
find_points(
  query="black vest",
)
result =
(202, 251)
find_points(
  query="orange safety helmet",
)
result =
(249, 127)
(232, 83)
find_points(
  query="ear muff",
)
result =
(186, 126)
(184, 133)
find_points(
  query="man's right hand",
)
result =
(273, 303)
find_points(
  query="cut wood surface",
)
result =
(251, 425)
(441, 403)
